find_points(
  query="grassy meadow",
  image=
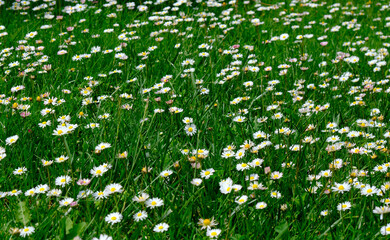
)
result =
(194, 119)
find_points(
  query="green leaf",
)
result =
(282, 229)
(68, 224)
(77, 230)
(23, 215)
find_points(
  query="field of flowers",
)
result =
(194, 119)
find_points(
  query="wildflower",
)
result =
(207, 223)
(20, 171)
(27, 231)
(344, 206)
(207, 173)
(239, 119)
(261, 205)
(276, 175)
(141, 197)
(63, 180)
(241, 200)
(103, 237)
(113, 188)
(190, 129)
(161, 227)
(213, 233)
(154, 202)
(11, 140)
(98, 171)
(140, 216)
(113, 218)
(341, 187)
(196, 181)
(66, 202)
(102, 146)
(60, 131)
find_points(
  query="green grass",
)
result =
(155, 141)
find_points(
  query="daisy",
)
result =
(324, 213)
(166, 173)
(190, 129)
(61, 159)
(255, 185)
(98, 171)
(283, 36)
(27, 231)
(241, 200)
(187, 120)
(276, 175)
(213, 233)
(44, 124)
(102, 146)
(344, 206)
(276, 194)
(103, 237)
(207, 223)
(207, 173)
(42, 188)
(63, 180)
(161, 227)
(242, 166)
(46, 163)
(239, 119)
(240, 154)
(256, 162)
(196, 181)
(11, 140)
(113, 218)
(100, 195)
(65, 202)
(261, 205)
(113, 188)
(381, 211)
(20, 171)
(385, 230)
(341, 188)
(30, 192)
(60, 131)
(141, 197)
(140, 216)
(54, 193)
(154, 202)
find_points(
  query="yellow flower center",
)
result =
(341, 187)
(154, 203)
(206, 222)
(207, 173)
